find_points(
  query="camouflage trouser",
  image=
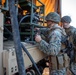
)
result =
(73, 68)
(59, 72)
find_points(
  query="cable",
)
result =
(30, 58)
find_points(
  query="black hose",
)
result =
(23, 18)
(30, 58)
(28, 16)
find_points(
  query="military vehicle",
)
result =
(30, 14)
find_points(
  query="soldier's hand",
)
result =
(38, 38)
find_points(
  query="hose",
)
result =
(30, 58)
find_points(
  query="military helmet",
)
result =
(66, 19)
(53, 16)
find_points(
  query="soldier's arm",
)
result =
(54, 45)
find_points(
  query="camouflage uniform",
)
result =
(71, 32)
(53, 38)
(53, 45)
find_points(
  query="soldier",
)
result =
(52, 45)
(71, 32)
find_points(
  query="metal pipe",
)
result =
(40, 2)
(31, 12)
(43, 11)
(6, 6)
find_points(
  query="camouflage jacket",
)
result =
(71, 32)
(53, 44)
